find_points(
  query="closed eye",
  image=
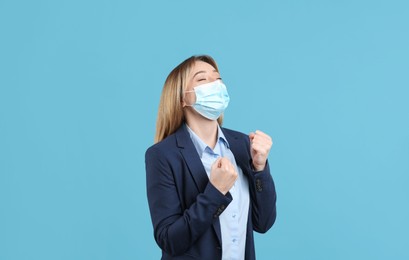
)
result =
(203, 79)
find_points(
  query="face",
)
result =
(201, 73)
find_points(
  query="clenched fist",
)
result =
(260, 145)
(223, 175)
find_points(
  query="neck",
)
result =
(204, 128)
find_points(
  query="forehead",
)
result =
(201, 66)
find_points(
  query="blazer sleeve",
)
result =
(176, 229)
(263, 199)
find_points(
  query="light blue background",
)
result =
(79, 88)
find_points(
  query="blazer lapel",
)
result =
(196, 167)
(238, 148)
(192, 159)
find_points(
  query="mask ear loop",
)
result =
(184, 94)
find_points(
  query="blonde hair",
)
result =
(170, 112)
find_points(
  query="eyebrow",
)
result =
(202, 71)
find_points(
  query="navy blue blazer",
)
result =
(185, 206)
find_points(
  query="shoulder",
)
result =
(166, 145)
(233, 134)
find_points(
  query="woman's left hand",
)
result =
(260, 145)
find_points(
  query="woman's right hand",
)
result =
(223, 175)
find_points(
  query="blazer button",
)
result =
(219, 211)
(259, 186)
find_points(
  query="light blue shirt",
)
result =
(233, 220)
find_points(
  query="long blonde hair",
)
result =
(170, 113)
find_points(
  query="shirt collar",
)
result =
(201, 146)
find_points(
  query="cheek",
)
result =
(190, 98)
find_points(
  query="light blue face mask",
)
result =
(211, 99)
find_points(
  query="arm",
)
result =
(263, 199)
(261, 184)
(175, 229)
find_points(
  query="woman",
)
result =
(208, 187)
